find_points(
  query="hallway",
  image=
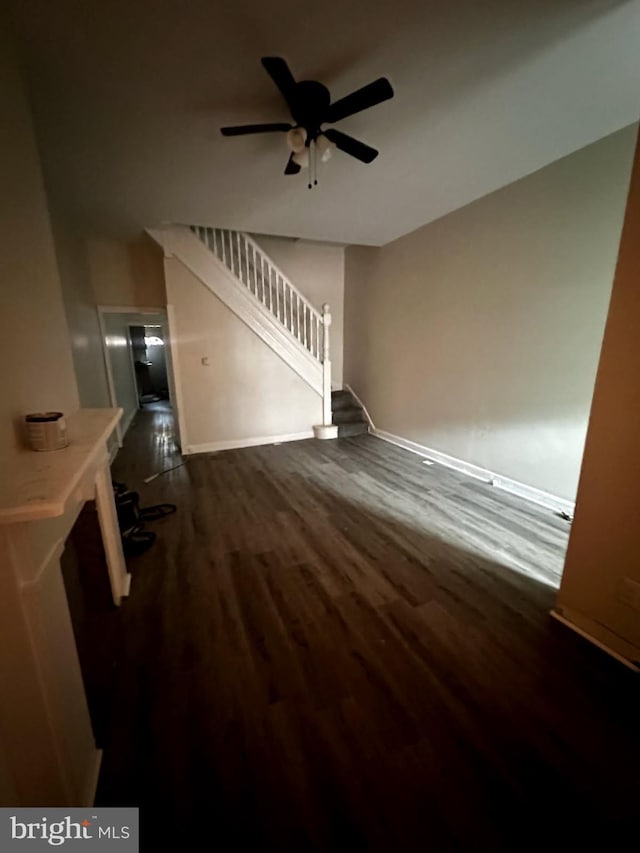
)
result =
(334, 645)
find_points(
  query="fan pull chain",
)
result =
(313, 165)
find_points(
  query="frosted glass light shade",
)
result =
(297, 139)
(325, 147)
(302, 158)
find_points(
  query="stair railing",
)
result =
(270, 286)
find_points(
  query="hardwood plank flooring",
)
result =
(333, 646)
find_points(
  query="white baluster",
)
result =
(326, 367)
(274, 291)
(263, 292)
(277, 280)
(269, 291)
(243, 260)
(225, 253)
(265, 272)
(295, 313)
(256, 273)
(287, 304)
(235, 253)
(300, 318)
(270, 287)
(245, 255)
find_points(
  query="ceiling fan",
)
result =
(310, 106)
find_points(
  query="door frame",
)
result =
(135, 309)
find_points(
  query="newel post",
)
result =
(326, 367)
(326, 429)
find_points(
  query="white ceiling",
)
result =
(129, 96)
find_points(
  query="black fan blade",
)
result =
(351, 146)
(242, 129)
(292, 167)
(376, 92)
(279, 72)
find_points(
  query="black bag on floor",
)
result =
(131, 519)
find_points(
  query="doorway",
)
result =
(149, 363)
(137, 356)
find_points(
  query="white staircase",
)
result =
(234, 267)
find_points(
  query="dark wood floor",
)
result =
(330, 647)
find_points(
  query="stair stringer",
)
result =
(181, 243)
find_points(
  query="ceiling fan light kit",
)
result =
(309, 103)
(297, 139)
(301, 158)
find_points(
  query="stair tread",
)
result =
(349, 415)
(345, 430)
(344, 401)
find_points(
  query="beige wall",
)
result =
(126, 274)
(35, 353)
(604, 546)
(81, 313)
(37, 373)
(317, 270)
(247, 391)
(478, 335)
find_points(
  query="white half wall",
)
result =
(478, 335)
(234, 390)
(317, 270)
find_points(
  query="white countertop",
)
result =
(37, 484)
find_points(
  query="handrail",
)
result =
(279, 272)
(265, 281)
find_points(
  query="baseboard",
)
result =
(435, 455)
(126, 424)
(235, 444)
(627, 654)
(361, 404)
(530, 493)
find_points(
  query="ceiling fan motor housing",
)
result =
(310, 103)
